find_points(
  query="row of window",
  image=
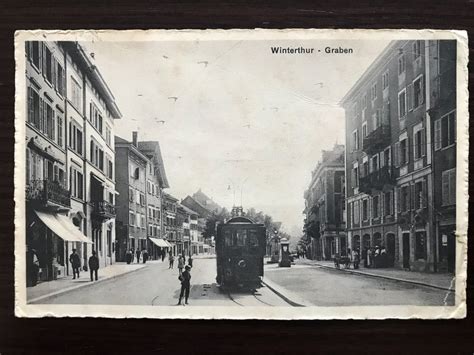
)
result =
(411, 97)
(43, 117)
(410, 197)
(153, 230)
(136, 196)
(152, 188)
(362, 103)
(154, 212)
(39, 168)
(42, 58)
(137, 219)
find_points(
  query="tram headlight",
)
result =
(242, 264)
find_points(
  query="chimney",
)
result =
(135, 138)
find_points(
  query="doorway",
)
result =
(390, 250)
(406, 250)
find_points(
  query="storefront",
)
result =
(52, 236)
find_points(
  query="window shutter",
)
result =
(27, 49)
(398, 193)
(415, 146)
(30, 105)
(452, 186)
(445, 188)
(396, 155)
(53, 72)
(41, 115)
(422, 90)
(437, 135)
(423, 142)
(409, 94)
(408, 150)
(424, 195)
(43, 58)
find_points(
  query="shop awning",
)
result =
(159, 242)
(169, 244)
(67, 223)
(62, 227)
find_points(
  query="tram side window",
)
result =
(253, 239)
(228, 238)
(240, 236)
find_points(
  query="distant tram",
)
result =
(240, 249)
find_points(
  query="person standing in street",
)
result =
(180, 264)
(133, 255)
(138, 256)
(94, 265)
(185, 279)
(128, 256)
(145, 256)
(163, 254)
(75, 263)
(190, 261)
(171, 260)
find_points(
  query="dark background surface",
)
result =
(133, 335)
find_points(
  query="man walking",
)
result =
(145, 256)
(94, 265)
(163, 254)
(185, 279)
(75, 263)
(138, 256)
(171, 260)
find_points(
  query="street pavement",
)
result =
(156, 285)
(321, 286)
(301, 285)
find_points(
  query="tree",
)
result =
(212, 221)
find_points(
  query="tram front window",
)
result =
(253, 239)
(240, 236)
(228, 238)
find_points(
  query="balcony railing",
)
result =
(377, 180)
(376, 140)
(48, 192)
(103, 209)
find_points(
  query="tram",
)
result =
(240, 249)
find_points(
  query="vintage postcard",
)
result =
(241, 174)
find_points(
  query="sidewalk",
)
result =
(56, 287)
(443, 281)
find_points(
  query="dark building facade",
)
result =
(390, 155)
(325, 207)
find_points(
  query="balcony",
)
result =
(103, 210)
(376, 140)
(377, 180)
(48, 193)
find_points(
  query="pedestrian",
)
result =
(133, 255)
(171, 260)
(145, 256)
(163, 254)
(370, 260)
(185, 279)
(356, 258)
(190, 261)
(129, 256)
(138, 255)
(75, 263)
(365, 253)
(93, 265)
(32, 267)
(180, 264)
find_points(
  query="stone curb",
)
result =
(84, 285)
(385, 277)
(283, 294)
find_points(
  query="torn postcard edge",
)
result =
(43, 156)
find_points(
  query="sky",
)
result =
(242, 124)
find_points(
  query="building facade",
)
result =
(170, 223)
(131, 182)
(156, 181)
(66, 208)
(325, 207)
(390, 176)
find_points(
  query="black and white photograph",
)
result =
(241, 174)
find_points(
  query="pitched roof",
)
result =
(152, 149)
